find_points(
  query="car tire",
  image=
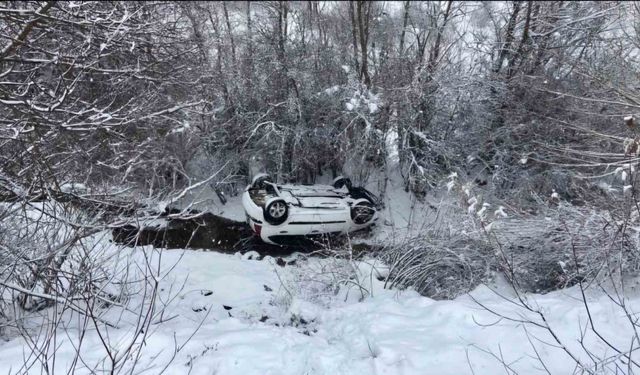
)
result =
(362, 212)
(276, 211)
(341, 181)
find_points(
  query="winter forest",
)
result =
(497, 143)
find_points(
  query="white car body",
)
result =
(312, 210)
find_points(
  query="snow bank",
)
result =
(255, 317)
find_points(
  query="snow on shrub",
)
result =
(568, 245)
(440, 268)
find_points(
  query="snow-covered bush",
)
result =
(46, 256)
(566, 246)
(60, 274)
(337, 274)
(440, 268)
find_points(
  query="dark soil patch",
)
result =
(204, 231)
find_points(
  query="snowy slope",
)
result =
(293, 320)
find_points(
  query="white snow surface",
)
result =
(343, 330)
(313, 318)
(74, 187)
(204, 199)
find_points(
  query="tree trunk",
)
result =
(354, 27)
(219, 50)
(364, 9)
(407, 5)
(231, 40)
(509, 36)
(519, 55)
(249, 63)
(435, 51)
(288, 143)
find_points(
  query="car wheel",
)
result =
(276, 211)
(341, 181)
(362, 212)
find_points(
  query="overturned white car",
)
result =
(278, 213)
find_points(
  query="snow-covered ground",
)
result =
(205, 199)
(238, 315)
(231, 314)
